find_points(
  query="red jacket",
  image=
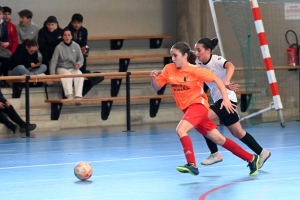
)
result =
(12, 37)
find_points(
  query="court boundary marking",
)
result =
(126, 159)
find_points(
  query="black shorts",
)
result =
(224, 116)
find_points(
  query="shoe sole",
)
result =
(212, 163)
(265, 161)
(30, 129)
(185, 170)
(254, 173)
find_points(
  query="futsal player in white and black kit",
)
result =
(224, 70)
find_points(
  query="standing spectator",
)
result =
(25, 60)
(12, 30)
(3, 31)
(67, 59)
(49, 37)
(7, 110)
(4, 43)
(80, 35)
(26, 28)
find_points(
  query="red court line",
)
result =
(203, 196)
(259, 193)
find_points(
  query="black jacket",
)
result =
(22, 57)
(3, 32)
(80, 36)
(49, 40)
(2, 99)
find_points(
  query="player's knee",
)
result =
(181, 132)
(238, 133)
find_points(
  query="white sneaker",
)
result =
(70, 96)
(78, 103)
(41, 74)
(212, 159)
(264, 155)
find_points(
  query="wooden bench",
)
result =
(124, 63)
(154, 102)
(116, 42)
(115, 84)
(125, 60)
(107, 102)
(245, 95)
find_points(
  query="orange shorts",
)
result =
(196, 114)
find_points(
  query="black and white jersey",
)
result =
(216, 64)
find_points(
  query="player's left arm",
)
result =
(229, 67)
(223, 64)
(206, 75)
(229, 71)
(226, 102)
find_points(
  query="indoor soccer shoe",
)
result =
(188, 168)
(253, 166)
(212, 159)
(265, 154)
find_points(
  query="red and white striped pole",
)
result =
(267, 57)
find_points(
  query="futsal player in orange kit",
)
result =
(186, 82)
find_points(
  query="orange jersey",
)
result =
(186, 84)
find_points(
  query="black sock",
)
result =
(211, 145)
(251, 143)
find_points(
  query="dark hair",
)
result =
(77, 17)
(1, 9)
(6, 9)
(25, 13)
(30, 43)
(208, 43)
(51, 19)
(185, 48)
(64, 30)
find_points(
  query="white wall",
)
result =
(104, 17)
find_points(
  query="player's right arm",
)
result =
(158, 80)
(153, 76)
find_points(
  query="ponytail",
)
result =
(192, 57)
(184, 48)
(214, 42)
(208, 43)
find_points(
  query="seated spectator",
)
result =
(12, 30)
(80, 35)
(26, 28)
(8, 111)
(49, 37)
(4, 43)
(67, 59)
(25, 60)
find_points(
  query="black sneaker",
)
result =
(188, 168)
(12, 127)
(31, 128)
(253, 166)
